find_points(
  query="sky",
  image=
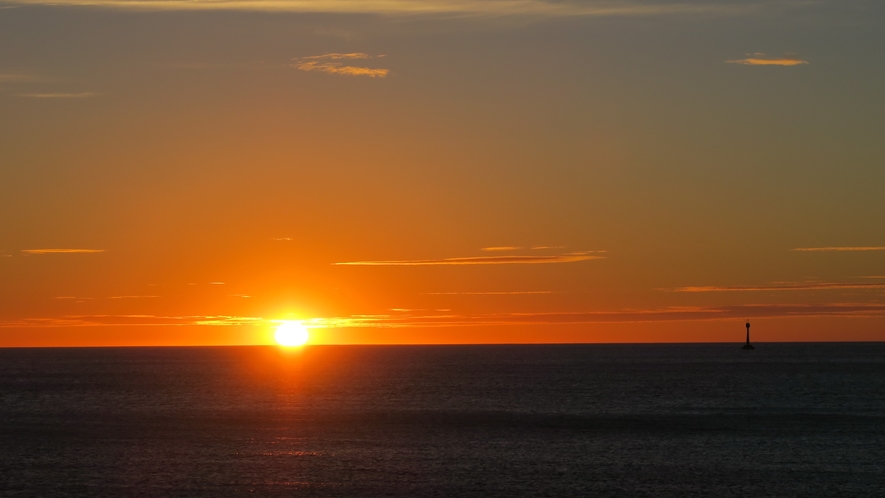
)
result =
(441, 171)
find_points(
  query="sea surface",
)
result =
(449, 421)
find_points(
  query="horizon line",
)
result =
(432, 344)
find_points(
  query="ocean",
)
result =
(445, 421)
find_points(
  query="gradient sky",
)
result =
(437, 171)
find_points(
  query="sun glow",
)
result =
(291, 334)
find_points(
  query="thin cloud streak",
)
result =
(760, 59)
(326, 63)
(62, 251)
(481, 260)
(132, 321)
(109, 297)
(338, 56)
(460, 8)
(836, 249)
(492, 293)
(786, 286)
(500, 248)
(18, 77)
(83, 95)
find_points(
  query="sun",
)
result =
(291, 334)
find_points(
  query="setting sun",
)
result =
(291, 334)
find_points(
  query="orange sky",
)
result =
(440, 172)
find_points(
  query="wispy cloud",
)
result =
(62, 251)
(783, 286)
(404, 318)
(194, 65)
(328, 63)
(483, 260)
(828, 249)
(515, 248)
(760, 59)
(131, 320)
(461, 8)
(337, 56)
(82, 95)
(18, 77)
(492, 293)
(282, 238)
(109, 297)
(24, 83)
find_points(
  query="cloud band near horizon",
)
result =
(785, 286)
(62, 251)
(488, 293)
(81, 95)
(673, 314)
(130, 320)
(838, 248)
(482, 260)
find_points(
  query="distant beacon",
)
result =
(748, 345)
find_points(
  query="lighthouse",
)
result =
(748, 345)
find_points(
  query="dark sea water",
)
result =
(459, 421)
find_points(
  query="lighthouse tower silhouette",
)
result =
(748, 345)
